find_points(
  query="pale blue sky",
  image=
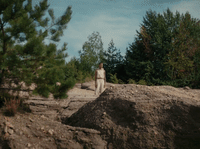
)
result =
(113, 19)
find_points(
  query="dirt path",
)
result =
(77, 97)
(58, 109)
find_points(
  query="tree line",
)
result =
(165, 51)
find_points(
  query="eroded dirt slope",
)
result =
(124, 116)
(137, 116)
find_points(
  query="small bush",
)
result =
(120, 81)
(142, 82)
(114, 78)
(11, 107)
(79, 77)
(131, 81)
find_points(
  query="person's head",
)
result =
(100, 65)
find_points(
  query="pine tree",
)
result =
(134, 58)
(112, 59)
(73, 70)
(146, 57)
(24, 56)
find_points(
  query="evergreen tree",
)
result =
(73, 70)
(146, 57)
(166, 50)
(23, 54)
(112, 59)
(133, 58)
(196, 73)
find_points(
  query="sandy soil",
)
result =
(123, 116)
(138, 116)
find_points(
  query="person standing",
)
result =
(100, 79)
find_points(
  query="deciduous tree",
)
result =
(92, 53)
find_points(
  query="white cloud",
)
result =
(116, 19)
(121, 29)
(191, 6)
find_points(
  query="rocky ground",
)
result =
(42, 128)
(137, 116)
(124, 116)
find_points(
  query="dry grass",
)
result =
(11, 107)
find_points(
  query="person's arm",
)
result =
(95, 79)
(104, 78)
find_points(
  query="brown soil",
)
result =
(124, 116)
(42, 128)
(137, 116)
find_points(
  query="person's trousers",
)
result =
(100, 86)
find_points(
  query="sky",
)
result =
(113, 19)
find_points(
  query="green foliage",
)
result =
(60, 91)
(112, 60)
(114, 78)
(180, 58)
(142, 82)
(91, 54)
(74, 70)
(133, 67)
(131, 81)
(146, 56)
(165, 50)
(23, 54)
(80, 77)
(120, 81)
(196, 72)
(121, 71)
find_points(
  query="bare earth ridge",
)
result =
(123, 116)
(138, 116)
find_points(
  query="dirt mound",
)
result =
(39, 132)
(136, 116)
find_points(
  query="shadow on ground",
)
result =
(128, 123)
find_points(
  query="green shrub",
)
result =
(60, 91)
(142, 82)
(114, 78)
(79, 77)
(131, 81)
(120, 81)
